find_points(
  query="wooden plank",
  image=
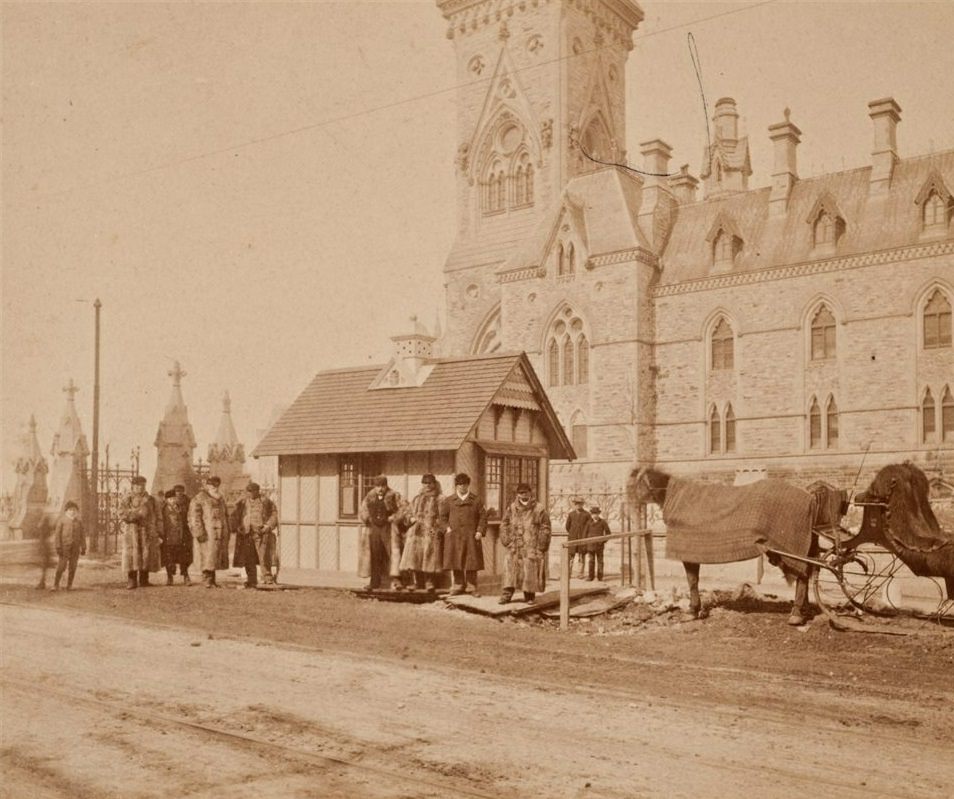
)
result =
(489, 606)
(406, 597)
(596, 607)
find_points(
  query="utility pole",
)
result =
(94, 468)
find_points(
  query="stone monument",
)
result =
(175, 442)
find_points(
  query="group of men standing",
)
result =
(172, 531)
(411, 543)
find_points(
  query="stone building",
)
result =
(68, 474)
(29, 501)
(175, 442)
(226, 456)
(791, 329)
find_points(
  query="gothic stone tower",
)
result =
(541, 82)
(175, 442)
(31, 491)
(227, 456)
(68, 480)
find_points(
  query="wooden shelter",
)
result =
(486, 415)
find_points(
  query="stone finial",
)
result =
(177, 373)
(70, 390)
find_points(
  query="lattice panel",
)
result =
(308, 547)
(309, 499)
(328, 548)
(288, 546)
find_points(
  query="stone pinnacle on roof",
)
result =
(69, 438)
(226, 438)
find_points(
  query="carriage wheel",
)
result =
(854, 582)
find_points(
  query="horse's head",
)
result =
(900, 492)
(646, 485)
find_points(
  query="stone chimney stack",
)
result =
(684, 186)
(656, 206)
(885, 114)
(656, 154)
(785, 137)
(726, 119)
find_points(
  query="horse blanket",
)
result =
(714, 523)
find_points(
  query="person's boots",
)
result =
(185, 578)
(529, 596)
(131, 581)
(590, 567)
(170, 570)
(207, 578)
(506, 596)
(143, 578)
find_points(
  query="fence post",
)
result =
(564, 587)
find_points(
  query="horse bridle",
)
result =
(642, 477)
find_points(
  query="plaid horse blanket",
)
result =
(714, 523)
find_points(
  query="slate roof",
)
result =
(871, 224)
(338, 412)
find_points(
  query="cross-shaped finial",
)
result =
(176, 373)
(226, 403)
(70, 389)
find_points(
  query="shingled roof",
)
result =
(339, 412)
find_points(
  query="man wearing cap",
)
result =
(576, 522)
(209, 522)
(525, 533)
(464, 521)
(140, 518)
(379, 511)
(254, 521)
(596, 526)
(423, 551)
(176, 547)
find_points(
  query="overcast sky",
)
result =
(265, 190)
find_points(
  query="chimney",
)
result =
(885, 114)
(726, 120)
(411, 353)
(656, 154)
(784, 136)
(684, 185)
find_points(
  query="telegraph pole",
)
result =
(94, 468)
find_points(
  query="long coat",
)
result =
(594, 528)
(423, 542)
(462, 519)
(525, 532)
(68, 535)
(379, 517)
(176, 538)
(576, 522)
(246, 546)
(140, 519)
(209, 520)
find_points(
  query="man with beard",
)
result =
(176, 539)
(525, 532)
(422, 544)
(464, 521)
(140, 519)
(254, 522)
(209, 521)
(378, 512)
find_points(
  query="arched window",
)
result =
(723, 251)
(831, 424)
(501, 192)
(518, 187)
(947, 415)
(494, 192)
(823, 334)
(729, 429)
(568, 350)
(568, 370)
(715, 433)
(570, 259)
(553, 359)
(522, 181)
(935, 210)
(928, 423)
(561, 259)
(814, 425)
(528, 184)
(722, 346)
(582, 359)
(937, 322)
(824, 229)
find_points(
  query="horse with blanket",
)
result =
(715, 523)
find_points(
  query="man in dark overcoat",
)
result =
(597, 526)
(176, 547)
(464, 521)
(254, 522)
(576, 522)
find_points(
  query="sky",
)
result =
(265, 190)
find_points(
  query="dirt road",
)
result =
(188, 693)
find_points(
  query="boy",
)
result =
(69, 542)
(596, 526)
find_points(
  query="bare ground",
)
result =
(311, 693)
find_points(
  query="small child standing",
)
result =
(596, 526)
(69, 542)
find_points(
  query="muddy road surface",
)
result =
(184, 692)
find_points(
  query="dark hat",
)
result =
(523, 488)
(139, 480)
(178, 487)
(595, 509)
(428, 479)
(70, 505)
(213, 480)
(462, 479)
(253, 487)
(170, 493)
(577, 500)
(381, 481)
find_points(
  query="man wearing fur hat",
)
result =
(525, 532)
(464, 521)
(254, 522)
(140, 518)
(176, 538)
(423, 550)
(379, 512)
(209, 521)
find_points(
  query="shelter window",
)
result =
(947, 416)
(356, 475)
(493, 485)
(928, 423)
(823, 334)
(814, 425)
(937, 322)
(715, 433)
(722, 346)
(515, 470)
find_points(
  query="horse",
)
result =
(898, 516)
(713, 523)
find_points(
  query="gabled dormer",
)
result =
(827, 225)
(568, 244)
(936, 206)
(411, 363)
(725, 243)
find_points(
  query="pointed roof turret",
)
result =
(226, 439)
(175, 440)
(176, 405)
(69, 438)
(30, 452)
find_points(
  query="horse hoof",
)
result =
(796, 620)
